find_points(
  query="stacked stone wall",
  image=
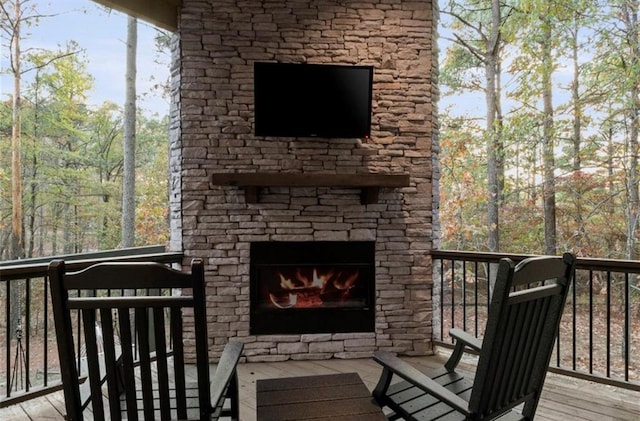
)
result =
(219, 42)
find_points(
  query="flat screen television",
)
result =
(312, 100)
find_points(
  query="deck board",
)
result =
(562, 399)
(44, 408)
(15, 413)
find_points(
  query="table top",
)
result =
(331, 396)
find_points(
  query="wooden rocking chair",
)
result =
(523, 322)
(129, 375)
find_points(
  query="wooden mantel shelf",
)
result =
(370, 184)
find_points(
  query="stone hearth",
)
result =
(212, 134)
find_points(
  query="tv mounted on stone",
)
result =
(312, 100)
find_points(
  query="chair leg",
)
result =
(455, 356)
(384, 381)
(234, 396)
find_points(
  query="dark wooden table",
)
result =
(332, 396)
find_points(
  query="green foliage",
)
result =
(459, 70)
(592, 201)
(463, 218)
(5, 168)
(72, 163)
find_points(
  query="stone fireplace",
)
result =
(235, 195)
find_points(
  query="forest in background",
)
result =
(71, 154)
(539, 126)
(538, 138)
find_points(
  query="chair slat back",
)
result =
(524, 319)
(134, 344)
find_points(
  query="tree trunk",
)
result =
(492, 134)
(499, 125)
(69, 227)
(630, 16)
(549, 196)
(575, 99)
(17, 246)
(611, 188)
(632, 176)
(577, 131)
(129, 142)
(33, 187)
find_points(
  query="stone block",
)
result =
(326, 347)
(318, 337)
(292, 348)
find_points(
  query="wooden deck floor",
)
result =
(563, 398)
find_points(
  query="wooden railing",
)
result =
(599, 337)
(28, 355)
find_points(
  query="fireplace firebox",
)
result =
(312, 287)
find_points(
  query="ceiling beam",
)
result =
(162, 13)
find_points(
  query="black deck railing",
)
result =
(28, 355)
(599, 336)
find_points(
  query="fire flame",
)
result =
(285, 283)
(306, 289)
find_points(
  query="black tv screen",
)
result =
(312, 100)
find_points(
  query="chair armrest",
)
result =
(468, 339)
(393, 364)
(225, 371)
(463, 340)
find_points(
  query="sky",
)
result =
(101, 35)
